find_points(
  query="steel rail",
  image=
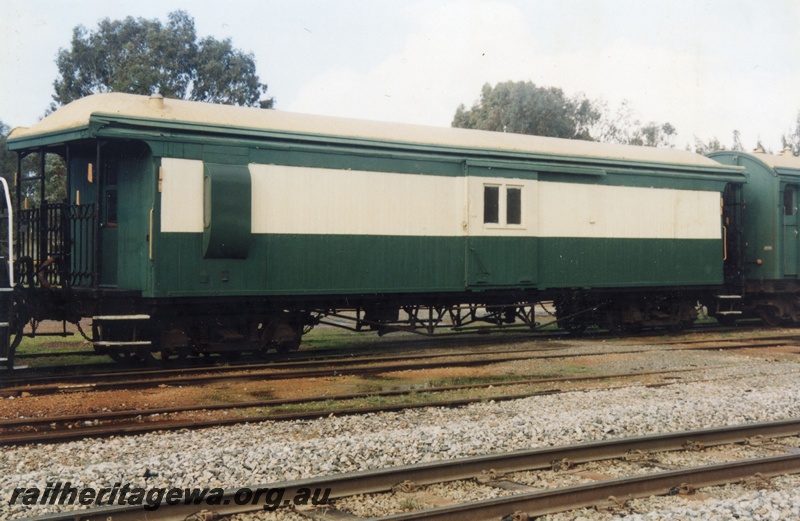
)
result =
(313, 360)
(383, 480)
(395, 344)
(12, 385)
(390, 345)
(580, 496)
(129, 429)
(76, 432)
(282, 371)
(274, 402)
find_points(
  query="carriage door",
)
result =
(501, 247)
(791, 242)
(109, 255)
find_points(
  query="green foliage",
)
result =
(55, 178)
(653, 135)
(8, 160)
(622, 127)
(55, 174)
(140, 56)
(714, 144)
(706, 147)
(524, 108)
(791, 141)
(225, 75)
(737, 141)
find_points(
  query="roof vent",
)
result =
(787, 151)
(156, 101)
(759, 149)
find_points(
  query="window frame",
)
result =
(502, 191)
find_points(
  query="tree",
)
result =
(8, 160)
(55, 172)
(140, 56)
(524, 108)
(225, 75)
(622, 127)
(653, 135)
(792, 141)
(706, 147)
(737, 142)
(714, 144)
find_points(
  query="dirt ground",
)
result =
(636, 355)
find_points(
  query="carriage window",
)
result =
(788, 201)
(502, 205)
(513, 205)
(491, 204)
(108, 179)
(111, 207)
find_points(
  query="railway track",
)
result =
(521, 501)
(403, 341)
(391, 345)
(58, 429)
(339, 363)
(55, 429)
(284, 370)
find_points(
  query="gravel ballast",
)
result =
(751, 390)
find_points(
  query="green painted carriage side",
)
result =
(337, 264)
(630, 263)
(768, 234)
(309, 264)
(124, 241)
(295, 264)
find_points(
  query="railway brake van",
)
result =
(190, 228)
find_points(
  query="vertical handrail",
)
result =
(724, 243)
(150, 237)
(7, 196)
(99, 179)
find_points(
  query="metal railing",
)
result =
(56, 245)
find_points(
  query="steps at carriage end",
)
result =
(4, 354)
(116, 343)
(121, 320)
(6, 303)
(731, 301)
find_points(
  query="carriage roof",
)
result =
(164, 111)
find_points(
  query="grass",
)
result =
(220, 395)
(477, 380)
(42, 345)
(408, 504)
(332, 338)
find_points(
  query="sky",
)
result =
(708, 67)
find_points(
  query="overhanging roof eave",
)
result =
(50, 139)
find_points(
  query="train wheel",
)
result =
(283, 335)
(123, 357)
(231, 356)
(575, 329)
(134, 357)
(286, 347)
(613, 321)
(679, 327)
(172, 354)
(13, 340)
(769, 316)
